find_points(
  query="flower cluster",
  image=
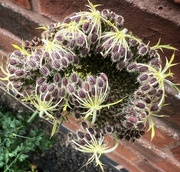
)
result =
(91, 67)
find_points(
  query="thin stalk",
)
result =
(94, 116)
(33, 116)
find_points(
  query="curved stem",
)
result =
(32, 116)
(94, 116)
(112, 149)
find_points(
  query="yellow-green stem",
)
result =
(33, 116)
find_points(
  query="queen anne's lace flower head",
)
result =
(91, 67)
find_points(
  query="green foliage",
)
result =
(16, 141)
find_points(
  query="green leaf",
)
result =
(54, 128)
(22, 157)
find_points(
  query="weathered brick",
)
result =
(177, 1)
(132, 167)
(176, 152)
(57, 10)
(23, 3)
(147, 167)
(161, 139)
(7, 39)
(18, 24)
(167, 166)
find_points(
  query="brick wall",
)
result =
(19, 20)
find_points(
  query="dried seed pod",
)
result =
(51, 87)
(115, 57)
(56, 65)
(121, 65)
(119, 20)
(100, 82)
(13, 62)
(55, 92)
(104, 77)
(143, 77)
(105, 13)
(133, 42)
(154, 107)
(140, 126)
(74, 78)
(140, 105)
(85, 27)
(43, 88)
(108, 129)
(44, 71)
(80, 134)
(65, 81)
(132, 67)
(71, 88)
(62, 92)
(57, 78)
(81, 93)
(84, 125)
(88, 137)
(93, 38)
(41, 80)
(91, 131)
(80, 41)
(143, 50)
(91, 80)
(19, 72)
(64, 62)
(47, 97)
(84, 51)
(70, 57)
(143, 68)
(145, 87)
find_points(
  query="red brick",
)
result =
(147, 167)
(19, 21)
(3, 59)
(124, 162)
(176, 153)
(161, 139)
(23, 3)
(177, 1)
(7, 39)
(57, 10)
(167, 166)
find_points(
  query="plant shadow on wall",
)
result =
(92, 68)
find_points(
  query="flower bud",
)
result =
(81, 93)
(13, 62)
(64, 81)
(43, 88)
(19, 72)
(143, 77)
(57, 78)
(40, 80)
(51, 87)
(80, 41)
(62, 92)
(115, 57)
(145, 87)
(44, 71)
(71, 88)
(56, 65)
(55, 92)
(74, 77)
(140, 105)
(80, 134)
(100, 82)
(64, 62)
(104, 76)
